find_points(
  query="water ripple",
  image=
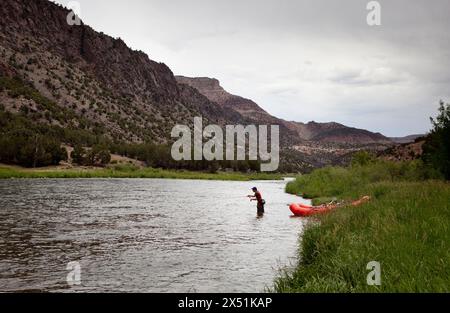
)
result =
(141, 235)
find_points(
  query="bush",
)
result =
(98, 155)
(362, 158)
(24, 110)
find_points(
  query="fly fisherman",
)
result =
(259, 201)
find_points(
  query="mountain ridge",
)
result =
(325, 132)
(406, 139)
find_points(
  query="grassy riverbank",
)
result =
(127, 172)
(405, 227)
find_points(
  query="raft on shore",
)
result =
(299, 209)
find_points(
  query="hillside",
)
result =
(405, 151)
(78, 86)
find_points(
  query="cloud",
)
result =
(369, 76)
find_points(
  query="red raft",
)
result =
(307, 210)
(299, 209)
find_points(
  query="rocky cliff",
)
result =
(97, 76)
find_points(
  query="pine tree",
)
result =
(436, 150)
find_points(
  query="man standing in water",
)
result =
(260, 202)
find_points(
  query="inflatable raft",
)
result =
(299, 209)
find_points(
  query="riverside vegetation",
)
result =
(129, 171)
(404, 227)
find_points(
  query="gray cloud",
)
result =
(300, 59)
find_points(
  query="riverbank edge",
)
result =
(334, 251)
(15, 172)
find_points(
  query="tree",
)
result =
(99, 155)
(57, 153)
(78, 155)
(104, 157)
(436, 149)
(89, 159)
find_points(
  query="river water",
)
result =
(143, 235)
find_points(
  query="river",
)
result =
(143, 235)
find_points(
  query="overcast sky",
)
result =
(300, 60)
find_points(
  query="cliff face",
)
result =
(97, 76)
(253, 113)
(210, 87)
(40, 24)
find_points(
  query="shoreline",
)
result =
(16, 172)
(404, 227)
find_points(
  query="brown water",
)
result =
(143, 235)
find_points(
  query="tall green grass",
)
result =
(126, 171)
(340, 181)
(405, 227)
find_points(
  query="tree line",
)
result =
(34, 144)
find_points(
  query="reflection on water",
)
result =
(143, 235)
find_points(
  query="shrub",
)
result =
(362, 158)
(24, 110)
